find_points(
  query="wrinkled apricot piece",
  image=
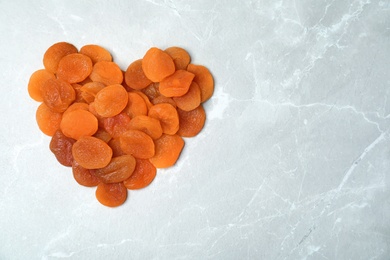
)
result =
(143, 174)
(167, 115)
(119, 169)
(77, 88)
(115, 145)
(136, 105)
(107, 72)
(163, 99)
(35, 84)
(191, 122)
(96, 53)
(152, 91)
(148, 125)
(61, 147)
(91, 152)
(146, 99)
(90, 89)
(47, 120)
(91, 108)
(177, 84)
(157, 64)
(57, 94)
(74, 68)
(111, 194)
(76, 106)
(83, 176)
(137, 143)
(55, 53)
(103, 135)
(180, 57)
(78, 123)
(204, 79)
(167, 150)
(117, 125)
(111, 100)
(191, 99)
(135, 77)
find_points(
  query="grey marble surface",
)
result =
(293, 162)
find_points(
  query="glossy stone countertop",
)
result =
(294, 159)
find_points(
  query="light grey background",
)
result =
(293, 162)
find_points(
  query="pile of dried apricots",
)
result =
(114, 127)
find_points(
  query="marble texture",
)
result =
(293, 162)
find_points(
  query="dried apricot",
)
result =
(137, 143)
(119, 169)
(107, 72)
(167, 150)
(135, 77)
(47, 120)
(111, 100)
(35, 84)
(190, 100)
(91, 152)
(204, 79)
(148, 125)
(180, 57)
(117, 125)
(84, 176)
(55, 53)
(136, 105)
(111, 194)
(191, 122)
(74, 67)
(61, 147)
(157, 64)
(78, 123)
(168, 117)
(57, 94)
(143, 174)
(96, 53)
(177, 84)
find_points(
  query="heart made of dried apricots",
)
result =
(116, 128)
